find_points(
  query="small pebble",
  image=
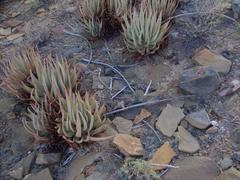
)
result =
(212, 130)
(226, 163)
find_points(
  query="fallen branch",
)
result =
(165, 165)
(155, 132)
(148, 103)
(119, 92)
(113, 68)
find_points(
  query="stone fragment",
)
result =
(231, 174)
(17, 173)
(169, 119)
(162, 156)
(123, 125)
(15, 36)
(226, 162)
(25, 163)
(212, 130)
(143, 115)
(199, 119)
(199, 80)
(50, 158)
(215, 61)
(236, 8)
(75, 169)
(193, 168)
(187, 143)
(128, 145)
(6, 31)
(42, 175)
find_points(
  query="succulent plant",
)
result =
(40, 125)
(167, 7)
(92, 9)
(82, 118)
(144, 30)
(52, 79)
(17, 73)
(118, 8)
(93, 27)
(91, 16)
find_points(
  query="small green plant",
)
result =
(143, 30)
(118, 8)
(139, 169)
(52, 79)
(91, 15)
(167, 7)
(81, 118)
(17, 73)
(40, 125)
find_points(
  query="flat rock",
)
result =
(169, 119)
(17, 174)
(226, 162)
(231, 174)
(163, 155)
(42, 175)
(236, 8)
(187, 143)
(215, 61)
(199, 80)
(123, 125)
(25, 163)
(74, 171)
(212, 130)
(199, 119)
(193, 168)
(6, 104)
(141, 116)
(21, 140)
(128, 145)
(50, 158)
(6, 31)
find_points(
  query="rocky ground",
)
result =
(181, 123)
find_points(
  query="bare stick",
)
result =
(147, 90)
(148, 103)
(100, 80)
(108, 51)
(113, 68)
(155, 132)
(78, 35)
(119, 92)
(165, 165)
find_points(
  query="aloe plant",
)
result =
(40, 125)
(91, 16)
(53, 79)
(17, 73)
(144, 30)
(118, 8)
(82, 118)
(167, 7)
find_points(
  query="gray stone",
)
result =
(97, 175)
(199, 119)
(217, 62)
(236, 8)
(78, 164)
(169, 119)
(42, 175)
(187, 143)
(193, 168)
(123, 125)
(226, 163)
(17, 174)
(50, 158)
(199, 80)
(212, 130)
(6, 31)
(231, 174)
(236, 156)
(25, 163)
(6, 104)
(235, 135)
(21, 140)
